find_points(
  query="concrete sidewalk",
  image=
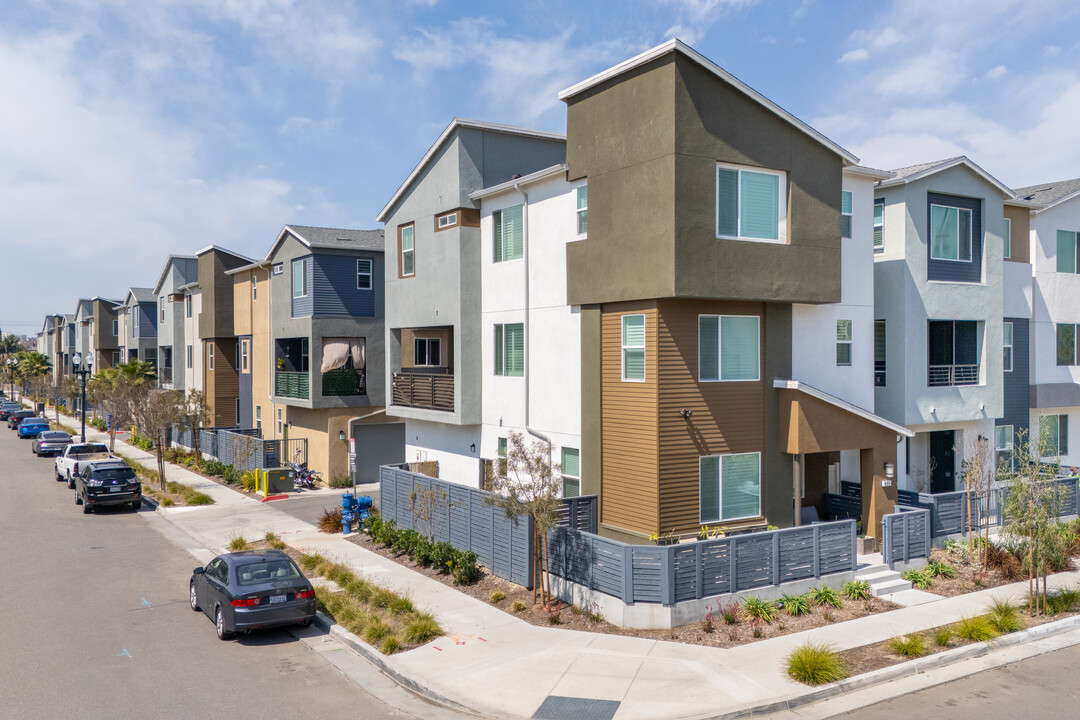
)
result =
(497, 665)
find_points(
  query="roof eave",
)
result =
(842, 404)
(523, 180)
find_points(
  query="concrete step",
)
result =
(880, 575)
(889, 587)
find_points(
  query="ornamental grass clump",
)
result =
(421, 628)
(825, 595)
(795, 605)
(238, 544)
(815, 664)
(976, 628)
(758, 609)
(908, 645)
(942, 636)
(274, 541)
(856, 590)
(922, 579)
(330, 521)
(1064, 600)
(940, 569)
(1005, 617)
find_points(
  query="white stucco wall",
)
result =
(1056, 295)
(447, 444)
(918, 454)
(1072, 457)
(1017, 282)
(813, 332)
(193, 376)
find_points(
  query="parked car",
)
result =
(50, 442)
(7, 408)
(107, 482)
(18, 416)
(31, 427)
(67, 465)
(252, 590)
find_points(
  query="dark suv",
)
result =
(107, 482)
(18, 416)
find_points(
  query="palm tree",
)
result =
(9, 344)
(139, 372)
(31, 366)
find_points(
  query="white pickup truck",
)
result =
(67, 464)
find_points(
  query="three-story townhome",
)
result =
(138, 326)
(938, 292)
(211, 310)
(179, 270)
(104, 334)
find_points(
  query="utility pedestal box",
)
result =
(276, 480)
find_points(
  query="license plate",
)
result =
(275, 599)
(116, 488)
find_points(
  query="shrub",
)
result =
(758, 609)
(401, 606)
(1004, 561)
(976, 628)
(856, 590)
(908, 645)
(919, 578)
(330, 520)
(730, 611)
(795, 605)
(238, 543)
(824, 595)
(390, 645)
(274, 541)
(214, 467)
(496, 596)
(707, 623)
(309, 561)
(940, 569)
(340, 482)
(376, 631)
(249, 481)
(942, 636)
(518, 606)
(141, 441)
(167, 501)
(1005, 617)
(1063, 600)
(813, 664)
(198, 498)
(421, 628)
(232, 476)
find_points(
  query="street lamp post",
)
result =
(77, 362)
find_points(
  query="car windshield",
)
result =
(91, 449)
(35, 421)
(110, 474)
(55, 435)
(255, 573)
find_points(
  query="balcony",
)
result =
(165, 376)
(292, 385)
(428, 392)
(949, 375)
(343, 382)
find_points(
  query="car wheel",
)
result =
(136, 505)
(306, 622)
(71, 482)
(193, 598)
(86, 508)
(219, 622)
(78, 500)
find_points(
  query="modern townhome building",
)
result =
(218, 347)
(696, 279)
(104, 333)
(138, 326)
(434, 325)
(309, 322)
(1055, 360)
(49, 343)
(939, 303)
(192, 353)
(84, 318)
(65, 347)
(179, 271)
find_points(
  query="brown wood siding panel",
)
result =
(728, 417)
(1021, 231)
(629, 425)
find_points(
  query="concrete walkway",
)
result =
(500, 666)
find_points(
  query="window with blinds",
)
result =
(729, 487)
(1066, 251)
(633, 348)
(510, 350)
(845, 214)
(879, 225)
(509, 234)
(571, 472)
(879, 353)
(728, 347)
(750, 204)
(843, 342)
(583, 210)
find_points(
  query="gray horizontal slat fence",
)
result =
(579, 513)
(905, 535)
(949, 512)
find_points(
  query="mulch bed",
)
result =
(970, 577)
(575, 618)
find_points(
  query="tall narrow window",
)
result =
(254, 286)
(750, 204)
(950, 230)
(509, 234)
(500, 466)
(843, 342)
(161, 306)
(406, 251)
(510, 350)
(1054, 435)
(1007, 346)
(244, 352)
(845, 214)
(1006, 238)
(116, 327)
(210, 355)
(363, 274)
(258, 416)
(1066, 344)
(729, 487)
(633, 348)
(571, 472)
(187, 306)
(1066, 251)
(879, 353)
(115, 358)
(299, 278)
(190, 356)
(279, 422)
(583, 210)
(135, 319)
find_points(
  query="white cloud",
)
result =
(934, 74)
(995, 72)
(1051, 50)
(854, 56)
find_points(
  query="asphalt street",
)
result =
(96, 622)
(308, 506)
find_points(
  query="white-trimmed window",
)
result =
(210, 354)
(254, 286)
(571, 472)
(447, 221)
(729, 347)
(278, 269)
(879, 225)
(1007, 346)
(729, 487)
(843, 342)
(190, 357)
(1054, 435)
(509, 234)
(1066, 251)
(427, 352)
(633, 348)
(279, 422)
(363, 274)
(845, 214)
(299, 278)
(187, 306)
(161, 307)
(258, 417)
(510, 349)
(1003, 438)
(582, 210)
(1006, 238)
(501, 463)
(407, 251)
(135, 320)
(751, 204)
(245, 351)
(950, 233)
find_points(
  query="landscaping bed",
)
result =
(175, 493)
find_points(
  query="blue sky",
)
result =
(136, 129)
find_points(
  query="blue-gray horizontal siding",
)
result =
(953, 270)
(905, 535)
(302, 306)
(1017, 389)
(334, 288)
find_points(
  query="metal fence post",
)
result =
(926, 534)
(886, 545)
(733, 564)
(628, 573)
(776, 557)
(816, 529)
(667, 575)
(854, 544)
(699, 572)
(904, 526)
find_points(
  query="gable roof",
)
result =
(523, 180)
(676, 45)
(454, 125)
(83, 307)
(220, 249)
(165, 270)
(911, 173)
(141, 295)
(326, 238)
(1046, 195)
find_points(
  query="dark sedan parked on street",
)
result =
(7, 408)
(251, 590)
(107, 482)
(50, 442)
(18, 416)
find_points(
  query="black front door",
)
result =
(942, 461)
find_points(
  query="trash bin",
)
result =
(277, 480)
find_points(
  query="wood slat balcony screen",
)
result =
(430, 392)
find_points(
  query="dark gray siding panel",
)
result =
(302, 306)
(334, 287)
(148, 320)
(951, 270)
(1017, 392)
(247, 414)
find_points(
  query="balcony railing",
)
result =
(879, 373)
(946, 375)
(292, 384)
(344, 382)
(430, 392)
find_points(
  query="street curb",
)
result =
(902, 670)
